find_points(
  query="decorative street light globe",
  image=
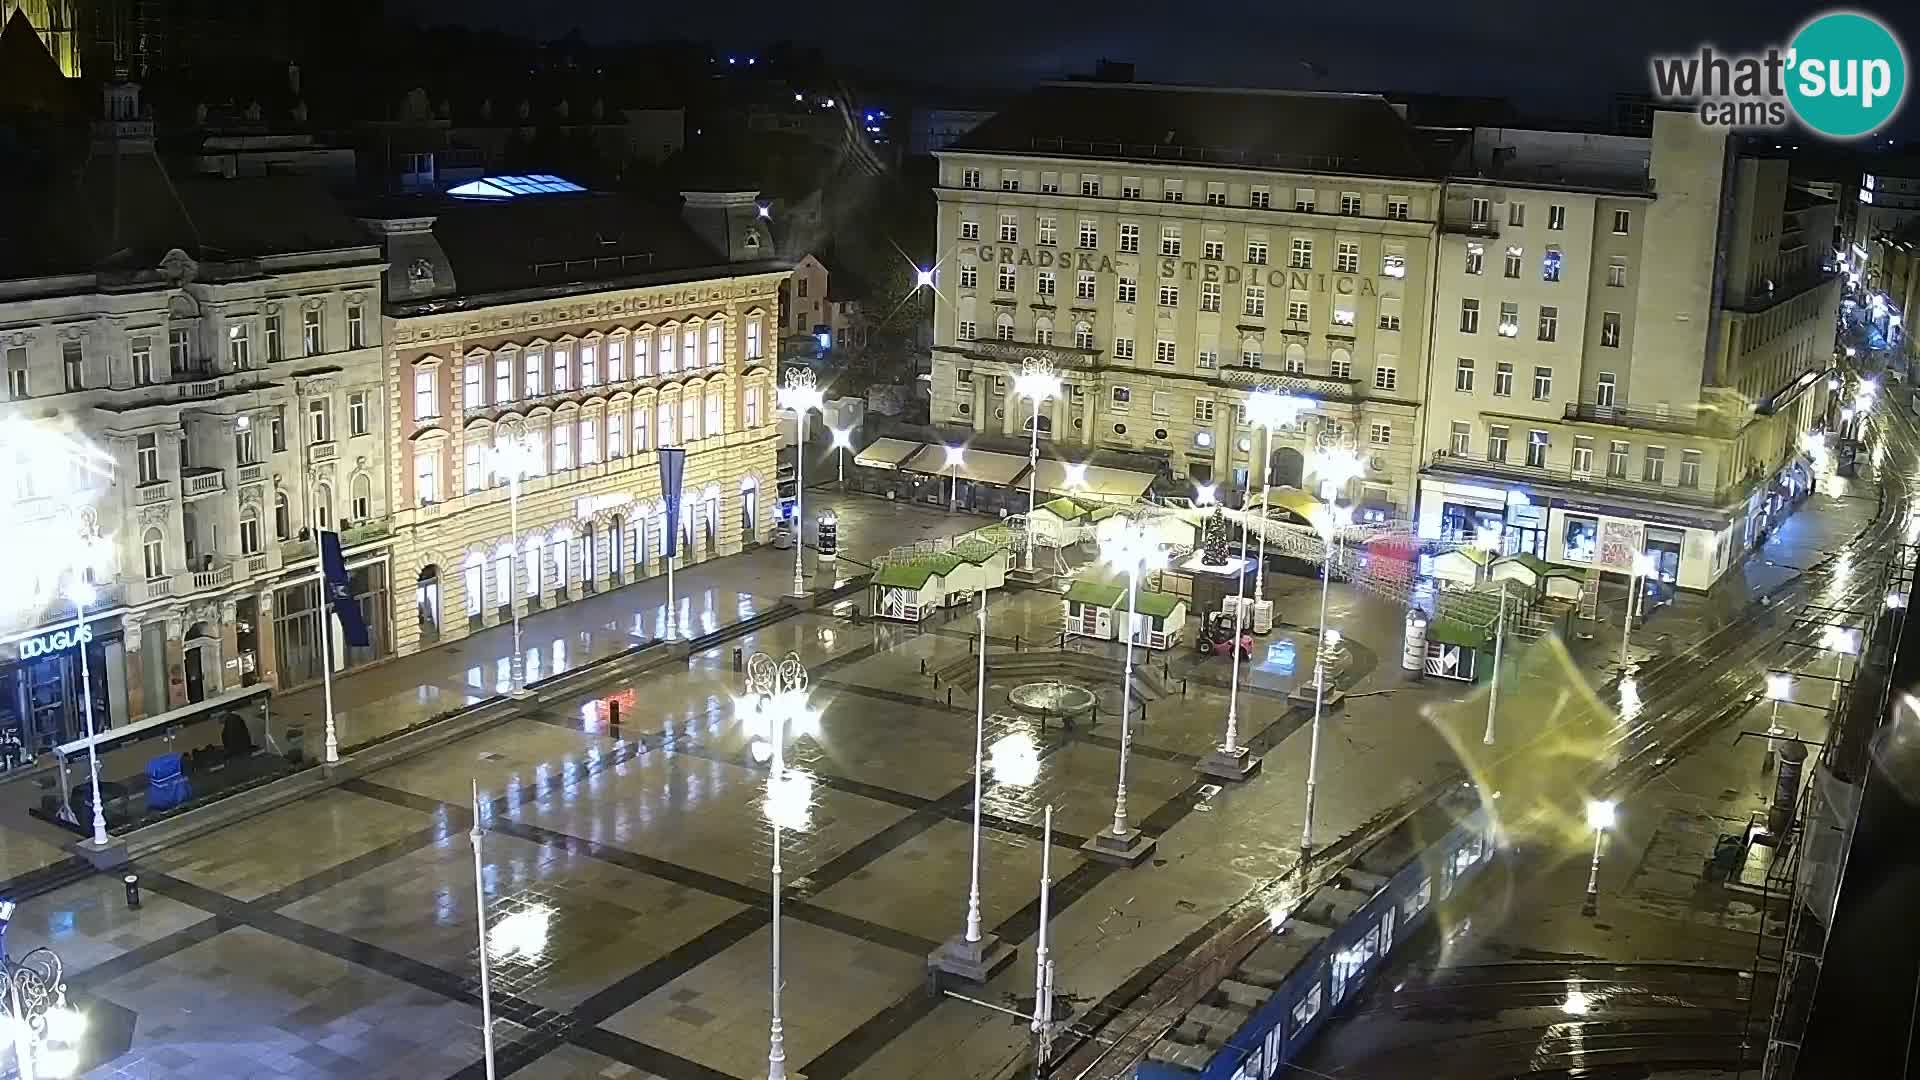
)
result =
(1038, 383)
(799, 395)
(1269, 408)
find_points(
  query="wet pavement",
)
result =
(336, 936)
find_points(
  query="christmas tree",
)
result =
(1213, 544)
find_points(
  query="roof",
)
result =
(886, 453)
(514, 186)
(915, 573)
(1309, 132)
(1295, 501)
(1093, 482)
(983, 466)
(1454, 632)
(1111, 594)
(30, 80)
(1064, 508)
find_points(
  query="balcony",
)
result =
(1587, 480)
(1318, 387)
(1012, 352)
(292, 551)
(218, 574)
(322, 451)
(252, 474)
(1702, 422)
(157, 491)
(200, 481)
(1466, 226)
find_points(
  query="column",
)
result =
(1086, 414)
(227, 678)
(176, 663)
(268, 661)
(130, 634)
(1014, 411)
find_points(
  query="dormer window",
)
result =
(752, 241)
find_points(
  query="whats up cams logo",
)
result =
(1844, 75)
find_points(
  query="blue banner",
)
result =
(673, 462)
(333, 566)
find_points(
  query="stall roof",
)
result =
(886, 453)
(1065, 509)
(1109, 594)
(914, 573)
(1101, 483)
(980, 466)
(1295, 501)
(1454, 632)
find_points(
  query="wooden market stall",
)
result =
(911, 590)
(1098, 609)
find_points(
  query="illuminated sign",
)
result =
(57, 641)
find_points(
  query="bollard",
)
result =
(739, 659)
(949, 697)
(1183, 686)
(1016, 643)
(923, 665)
(969, 646)
(132, 882)
(613, 714)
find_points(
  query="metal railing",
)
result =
(1687, 422)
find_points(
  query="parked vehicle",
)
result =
(1216, 637)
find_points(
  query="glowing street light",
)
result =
(842, 442)
(515, 455)
(1230, 760)
(1644, 565)
(1076, 475)
(922, 277)
(1842, 642)
(956, 461)
(1134, 551)
(46, 1030)
(1601, 815)
(972, 955)
(1267, 409)
(1328, 520)
(1336, 466)
(1206, 495)
(799, 395)
(1037, 382)
(776, 695)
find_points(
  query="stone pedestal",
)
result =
(101, 858)
(1330, 699)
(973, 961)
(1220, 765)
(1129, 850)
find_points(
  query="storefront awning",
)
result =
(1100, 483)
(1295, 501)
(980, 466)
(886, 453)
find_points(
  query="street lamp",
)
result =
(1037, 382)
(475, 835)
(1230, 760)
(1336, 466)
(842, 442)
(776, 696)
(1600, 818)
(1643, 565)
(46, 1031)
(799, 395)
(1328, 520)
(1779, 687)
(956, 459)
(1842, 643)
(1499, 640)
(1268, 409)
(515, 455)
(1131, 549)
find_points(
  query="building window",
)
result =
(1389, 320)
(1462, 441)
(1514, 255)
(1213, 250)
(750, 406)
(1048, 229)
(1385, 378)
(1216, 194)
(590, 357)
(1207, 359)
(1350, 203)
(282, 517)
(356, 326)
(1128, 290)
(179, 350)
(1170, 240)
(970, 178)
(1550, 265)
(1250, 354)
(1165, 353)
(589, 440)
(617, 352)
(1009, 180)
(1463, 375)
(1089, 234)
(1341, 366)
(1496, 442)
(473, 387)
(534, 369)
(153, 554)
(1470, 316)
(474, 472)
(1610, 329)
(1622, 222)
(969, 230)
(1173, 191)
(1043, 283)
(1542, 383)
(616, 435)
(1203, 410)
(1003, 327)
(1556, 217)
(1537, 449)
(146, 458)
(142, 352)
(71, 369)
(1083, 286)
(1603, 391)
(426, 475)
(1260, 198)
(1129, 238)
(1210, 296)
(1689, 468)
(277, 429)
(1549, 323)
(1256, 301)
(1009, 228)
(1301, 257)
(1297, 311)
(1617, 460)
(1049, 183)
(319, 421)
(311, 339)
(271, 337)
(1480, 212)
(1582, 455)
(502, 378)
(1381, 435)
(969, 277)
(1654, 465)
(1162, 404)
(357, 412)
(642, 427)
(1617, 272)
(1582, 539)
(1303, 200)
(1296, 363)
(1347, 259)
(239, 348)
(1122, 398)
(1123, 348)
(1343, 316)
(1082, 335)
(1398, 208)
(1516, 214)
(1043, 332)
(1009, 279)
(1503, 380)
(1509, 319)
(1257, 252)
(968, 330)
(424, 406)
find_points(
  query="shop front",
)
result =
(41, 688)
(296, 626)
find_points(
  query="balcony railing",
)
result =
(322, 451)
(199, 481)
(158, 491)
(1468, 226)
(216, 576)
(1688, 422)
(1063, 356)
(252, 474)
(158, 587)
(292, 551)
(1586, 479)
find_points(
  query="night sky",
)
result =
(1551, 57)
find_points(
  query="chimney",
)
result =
(730, 223)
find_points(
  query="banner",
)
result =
(339, 593)
(673, 461)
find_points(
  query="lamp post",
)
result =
(776, 694)
(1643, 565)
(956, 460)
(1230, 760)
(81, 592)
(1600, 818)
(1329, 520)
(1842, 643)
(842, 442)
(513, 453)
(1269, 408)
(1499, 638)
(1779, 688)
(1131, 549)
(46, 1030)
(1042, 962)
(480, 913)
(799, 395)
(1037, 382)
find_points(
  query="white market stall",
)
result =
(1098, 609)
(911, 590)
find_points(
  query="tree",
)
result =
(1213, 544)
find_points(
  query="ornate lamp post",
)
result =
(1643, 565)
(1842, 643)
(46, 1030)
(82, 594)
(514, 454)
(842, 442)
(1230, 760)
(776, 697)
(1131, 549)
(1269, 408)
(799, 395)
(1329, 521)
(1601, 815)
(1037, 382)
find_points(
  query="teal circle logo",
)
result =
(1846, 74)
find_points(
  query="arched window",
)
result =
(1083, 335)
(749, 509)
(362, 491)
(1046, 424)
(1296, 359)
(282, 517)
(250, 531)
(153, 548)
(473, 581)
(323, 505)
(1003, 326)
(426, 601)
(1043, 330)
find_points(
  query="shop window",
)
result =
(1582, 539)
